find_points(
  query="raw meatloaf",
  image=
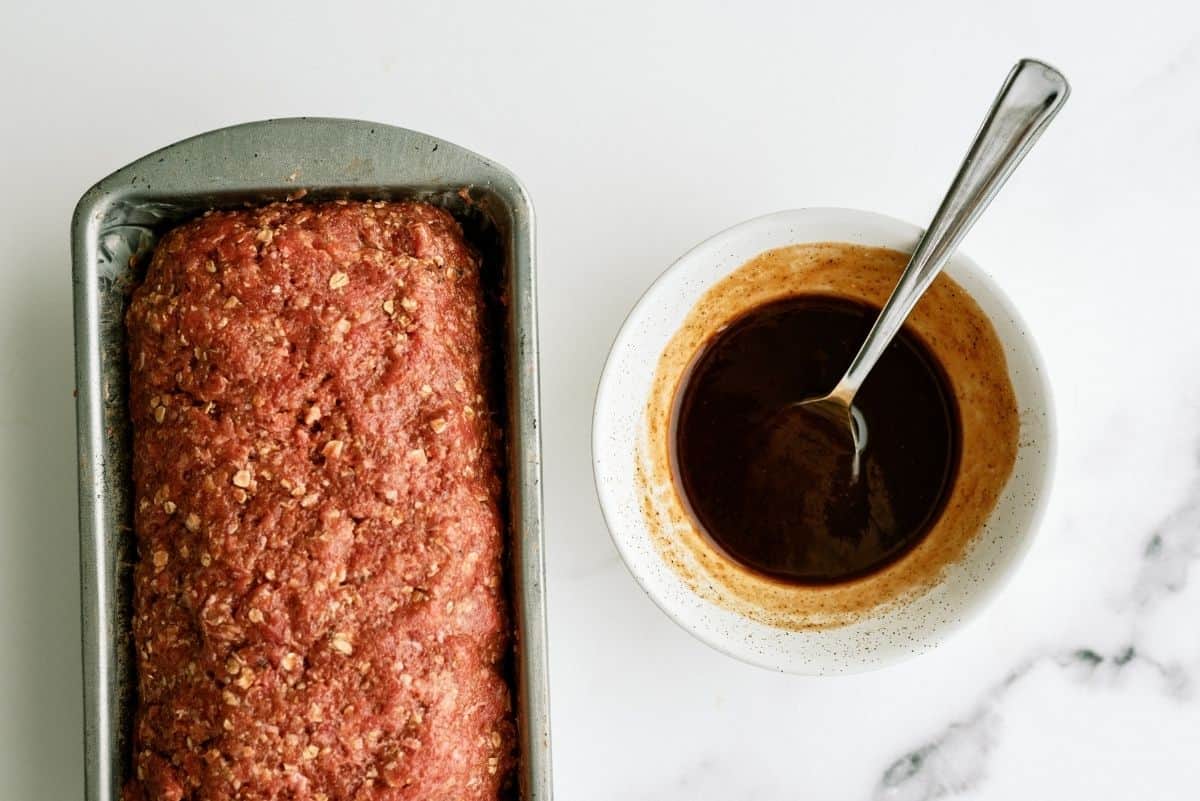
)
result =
(319, 606)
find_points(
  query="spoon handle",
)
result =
(1029, 99)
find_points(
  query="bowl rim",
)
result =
(976, 602)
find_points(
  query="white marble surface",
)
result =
(640, 129)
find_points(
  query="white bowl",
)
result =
(892, 632)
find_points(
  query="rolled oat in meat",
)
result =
(319, 610)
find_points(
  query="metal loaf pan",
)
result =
(116, 224)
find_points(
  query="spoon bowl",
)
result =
(826, 423)
(841, 412)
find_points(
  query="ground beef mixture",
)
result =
(319, 610)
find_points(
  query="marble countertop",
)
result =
(640, 129)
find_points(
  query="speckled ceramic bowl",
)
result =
(892, 631)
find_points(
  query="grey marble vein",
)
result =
(1169, 553)
(955, 761)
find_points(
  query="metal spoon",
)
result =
(1029, 99)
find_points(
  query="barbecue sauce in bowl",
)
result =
(781, 500)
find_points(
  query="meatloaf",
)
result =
(318, 597)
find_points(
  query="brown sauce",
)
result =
(770, 485)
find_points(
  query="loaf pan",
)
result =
(115, 227)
